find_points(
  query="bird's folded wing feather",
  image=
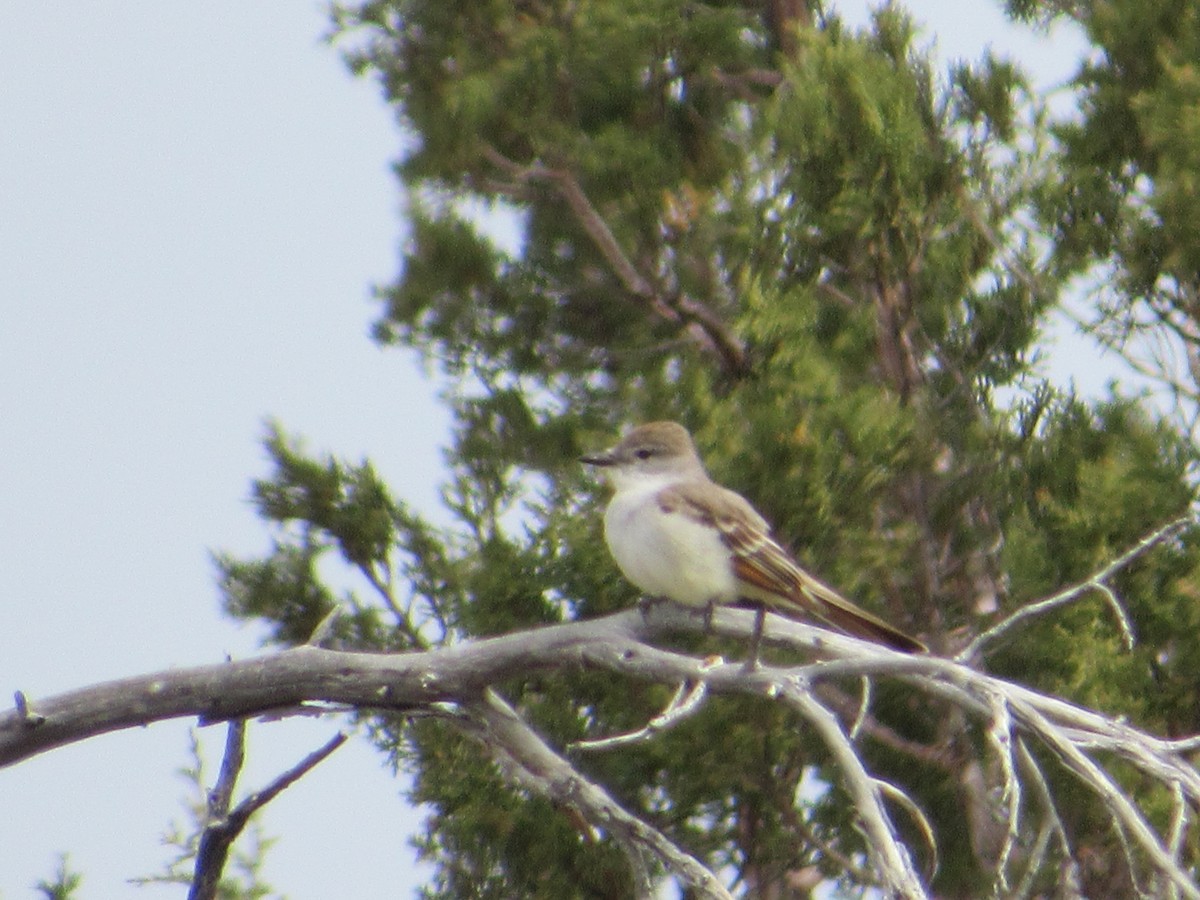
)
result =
(759, 562)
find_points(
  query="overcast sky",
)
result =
(196, 200)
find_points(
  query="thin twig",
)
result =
(1037, 856)
(403, 614)
(1179, 824)
(924, 754)
(1125, 815)
(324, 627)
(538, 767)
(1055, 820)
(918, 815)
(220, 798)
(848, 865)
(1093, 582)
(214, 844)
(1130, 860)
(1118, 611)
(892, 861)
(687, 700)
(864, 708)
(220, 834)
(29, 718)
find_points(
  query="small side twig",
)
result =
(1053, 820)
(29, 718)
(892, 861)
(220, 798)
(1037, 856)
(227, 824)
(846, 705)
(824, 847)
(215, 840)
(864, 708)
(1130, 858)
(687, 700)
(528, 759)
(1094, 582)
(324, 627)
(1179, 825)
(896, 795)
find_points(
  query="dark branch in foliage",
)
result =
(702, 325)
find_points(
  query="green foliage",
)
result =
(1096, 477)
(1132, 196)
(825, 258)
(65, 884)
(499, 844)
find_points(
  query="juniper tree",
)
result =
(835, 263)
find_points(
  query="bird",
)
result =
(677, 534)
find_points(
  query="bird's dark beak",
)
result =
(603, 458)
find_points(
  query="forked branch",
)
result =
(226, 821)
(1097, 581)
(455, 684)
(701, 324)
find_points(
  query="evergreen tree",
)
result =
(830, 261)
(1126, 216)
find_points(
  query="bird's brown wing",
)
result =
(766, 568)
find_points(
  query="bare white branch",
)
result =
(454, 684)
(1000, 734)
(864, 707)
(688, 698)
(892, 861)
(918, 815)
(1070, 886)
(540, 768)
(1126, 816)
(1094, 582)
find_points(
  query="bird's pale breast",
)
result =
(667, 554)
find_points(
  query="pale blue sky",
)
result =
(196, 199)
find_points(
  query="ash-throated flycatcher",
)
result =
(676, 533)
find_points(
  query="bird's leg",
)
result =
(709, 607)
(760, 618)
(647, 603)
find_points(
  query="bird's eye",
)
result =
(643, 453)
